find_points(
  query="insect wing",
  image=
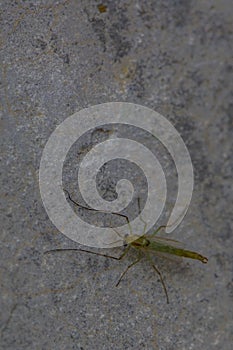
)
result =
(168, 242)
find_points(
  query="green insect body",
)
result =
(156, 246)
(144, 245)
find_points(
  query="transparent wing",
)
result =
(170, 257)
(165, 241)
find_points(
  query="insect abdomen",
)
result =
(178, 251)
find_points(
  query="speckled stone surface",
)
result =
(58, 57)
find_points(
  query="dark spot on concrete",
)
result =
(39, 44)
(102, 8)
(229, 288)
(98, 26)
(54, 42)
(66, 58)
(121, 45)
(137, 86)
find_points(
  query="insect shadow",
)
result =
(145, 245)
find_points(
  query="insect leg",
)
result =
(158, 229)
(119, 234)
(144, 222)
(165, 226)
(160, 275)
(88, 251)
(127, 269)
(98, 211)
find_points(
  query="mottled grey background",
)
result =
(59, 57)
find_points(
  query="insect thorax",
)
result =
(141, 242)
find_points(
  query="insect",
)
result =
(145, 245)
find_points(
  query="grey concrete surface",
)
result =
(58, 57)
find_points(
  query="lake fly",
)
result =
(145, 246)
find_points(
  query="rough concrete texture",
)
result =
(59, 57)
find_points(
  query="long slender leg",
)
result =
(144, 222)
(127, 269)
(118, 233)
(160, 275)
(165, 226)
(158, 229)
(98, 211)
(88, 251)
(128, 222)
(119, 240)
